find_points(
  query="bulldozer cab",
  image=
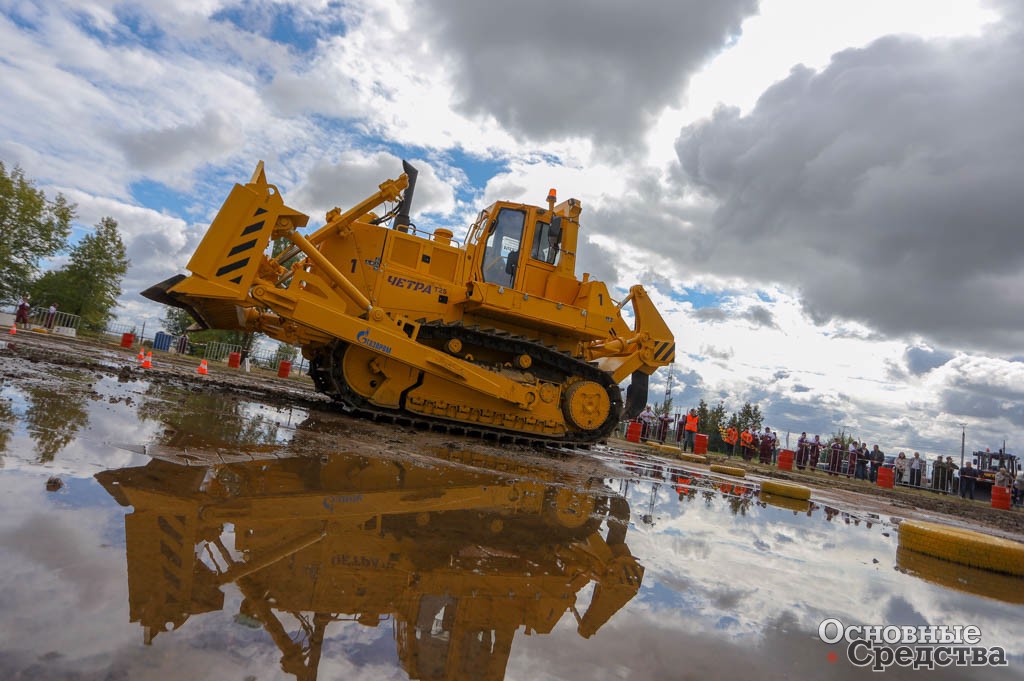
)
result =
(524, 247)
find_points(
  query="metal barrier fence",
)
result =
(117, 329)
(219, 352)
(41, 317)
(212, 351)
(44, 318)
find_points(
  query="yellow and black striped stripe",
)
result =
(665, 351)
(242, 247)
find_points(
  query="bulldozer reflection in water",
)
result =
(459, 556)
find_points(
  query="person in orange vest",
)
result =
(731, 436)
(747, 444)
(690, 430)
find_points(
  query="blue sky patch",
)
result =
(699, 297)
(156, 195)
(284, 25)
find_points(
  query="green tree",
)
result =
(715, 423)
(31, 228)
(176, 320)
(285, 353)
(89, 285)
(749, 416)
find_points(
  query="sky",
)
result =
(820, 195)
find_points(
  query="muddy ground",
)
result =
(38, 357)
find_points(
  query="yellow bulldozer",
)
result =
(493, 335)
(459, 553)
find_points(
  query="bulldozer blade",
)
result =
(159, 293)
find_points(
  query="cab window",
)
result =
(546, 244)
(501, 253)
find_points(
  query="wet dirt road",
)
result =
(235, 528)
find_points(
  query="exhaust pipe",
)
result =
(402, 219)
(636, 395)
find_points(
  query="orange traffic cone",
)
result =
(14, 329)
(148, 363)
(202, 370)
(142, 357)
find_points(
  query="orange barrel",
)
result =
(127, 339)
(234, 360)
(785, 462)
(283, 369)
(633, 431)
(700, 443)
(1001, 497)
(886, 478)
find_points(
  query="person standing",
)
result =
(835, 459)
(951, 467)
(51, 315)
(815, 449)
(690, 430)
(1002, 477)
(1018, 488)
(663, 421)
(915, 470)
(764, 448)
(877, 461)
(647, 418)
(862, 461)
(21, 315)
(747, 444)
(939, 474)
(801, 451)
(968, 476)
(731, 437)
(853, 461)
(900, 468)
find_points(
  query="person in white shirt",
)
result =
(915, 466)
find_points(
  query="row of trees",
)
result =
(34, 229)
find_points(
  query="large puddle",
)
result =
(185, 544)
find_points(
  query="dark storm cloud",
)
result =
(580, 67)
(710, 314)
(760, 316)
(979, 405)
(886, 187)
(922, 359)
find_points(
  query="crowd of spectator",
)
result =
(853, 459)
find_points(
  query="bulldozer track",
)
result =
(550, 363)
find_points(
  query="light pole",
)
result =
(963, 439)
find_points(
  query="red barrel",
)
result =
(127, 340)
(886, 478)
(785, 462)
(1001, 498)
(234, 360)
(283, 369)
(633, 431)
(700, 443)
